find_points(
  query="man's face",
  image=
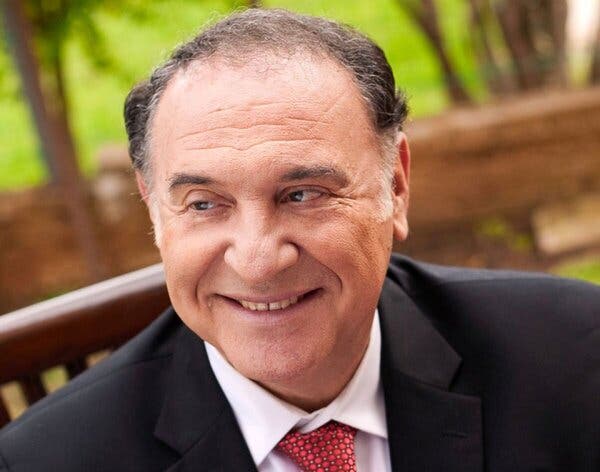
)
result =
(270, 217)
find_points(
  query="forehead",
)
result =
(301, 79)
(269, 106)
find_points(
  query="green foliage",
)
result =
(587, 269)
(494, 228)
(501, 231)
(108, 45)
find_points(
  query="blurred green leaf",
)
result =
(587, 269)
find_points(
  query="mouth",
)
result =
(266, 305)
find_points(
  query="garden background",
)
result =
(504, 112)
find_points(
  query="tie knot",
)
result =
(329, 448)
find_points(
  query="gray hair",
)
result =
(252, 31)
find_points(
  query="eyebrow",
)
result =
(180, 180)
(311, 172)
(297, 173)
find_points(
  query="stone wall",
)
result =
(503, 162)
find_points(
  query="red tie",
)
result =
(329, 448)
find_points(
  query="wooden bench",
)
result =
(66, 329)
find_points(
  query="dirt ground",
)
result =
(478, 177)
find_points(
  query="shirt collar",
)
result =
(264, 419)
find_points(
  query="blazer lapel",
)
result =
(196, 419)
(429, 427)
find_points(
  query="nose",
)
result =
(260, 250)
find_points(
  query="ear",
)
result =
(142, 186)
(401, 188)
(152, 208)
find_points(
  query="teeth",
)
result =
(278, 305)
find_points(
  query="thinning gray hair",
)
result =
(246, 33)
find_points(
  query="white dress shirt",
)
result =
(265, 419)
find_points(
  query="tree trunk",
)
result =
(497, 82)
(595, 70)
(53, 130)
(546, 31)
(254, 3)
(558, 33)
(425, 15)
(513, 21)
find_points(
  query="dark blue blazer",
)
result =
(482, 371)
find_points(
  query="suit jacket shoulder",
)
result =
(540, 306)
(528, 347)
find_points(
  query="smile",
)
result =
(269, 306)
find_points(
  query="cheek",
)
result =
(188, 260)
(353, 246)
(188, 255)
(182, 239)
(368, 254)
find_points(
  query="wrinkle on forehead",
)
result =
(259, 130)
(263, 117)
(258, 142)
(241, 127)
(286, 119)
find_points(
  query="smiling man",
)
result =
(269, 152)
(274, 216)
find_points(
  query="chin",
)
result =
(273, 365)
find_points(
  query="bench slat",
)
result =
(33, 388)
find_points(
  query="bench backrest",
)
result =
(66, 329)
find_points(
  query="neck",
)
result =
(311, 392)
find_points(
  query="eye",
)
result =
(202, 205)
(304, 195)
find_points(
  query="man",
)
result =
(270, 154)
